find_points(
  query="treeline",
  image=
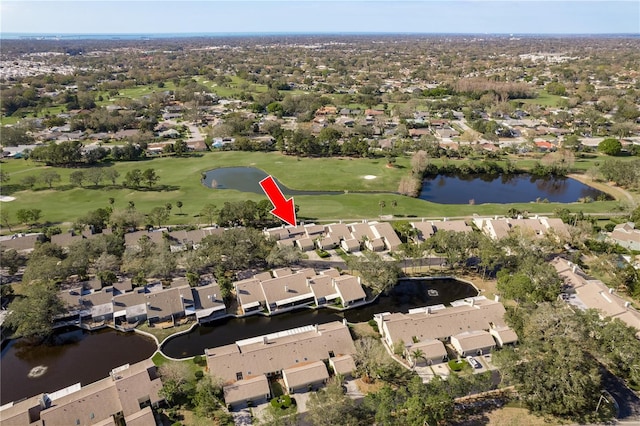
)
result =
(73, 153)
(476, 87)
(623, 173)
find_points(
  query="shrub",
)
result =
(199, 360)
(456, 365)
(323, 254)
(283, 402)
(199, 374)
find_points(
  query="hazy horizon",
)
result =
(552, 17)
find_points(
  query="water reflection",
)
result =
(77, 356)
(504, 189)
(405, 295)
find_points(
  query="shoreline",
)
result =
(616, 192)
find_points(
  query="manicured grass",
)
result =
(544, 99)
(456, 365)
(159, 359)
(180, 181)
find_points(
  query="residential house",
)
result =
(433, 352)
(384, 231)
(343, 365)
(626, 235)
(129, 393)
(272, 353)
(503, 335)
(286, 292)
(498, 229)
(424, 231)
(349, 289)
(305, 377)
(476, 313)
(594, 294)
(475, 342)
(206, 304)
(250, 295)
(247, 392)
(23, 243)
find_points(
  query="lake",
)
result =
(245, 179)
(442, 189)
(82, 356)
(522, 188)
(85, 357)
(407, 294)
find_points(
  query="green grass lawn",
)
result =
(544, 99)
(180, 181)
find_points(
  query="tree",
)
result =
(180, 147)
(207, 403)
(150, 176)
(4, 218)
(12, 260)
(179, 206)
(175, 377)
(49, 176)
(15, 135)
(76, 178)
(29, 181)
(284, 256)
(111, 174)
(33, 314)
(158, 215)
(94, 175)
(377, 274)
(133, 178)
(416, 354)
(209, 212)
(610, 146)
(330, 406)
(4, 176)
(28, 216)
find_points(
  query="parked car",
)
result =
(473, 362)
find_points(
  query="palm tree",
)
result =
(416, 354)
(382, 205)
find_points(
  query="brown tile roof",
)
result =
(443, 323)
(349, 288)
(282, 350)
(432, 348)
(343, 364)
(143, 417)
(452, 225)
(249, 292)
(425, 230)
(322, 286)
(385, 231)
(20, 243)
(470, 341)
(285, 288)
(304, 375)
(247, 390)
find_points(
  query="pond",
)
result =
(78, 356)
(442, 189)
(246, 179)
(407, 294)
(522, 188)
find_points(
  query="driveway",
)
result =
(628, 401)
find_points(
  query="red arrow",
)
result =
(282, 209)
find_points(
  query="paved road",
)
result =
(628, 401)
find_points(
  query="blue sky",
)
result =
(320, 16)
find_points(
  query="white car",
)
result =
(473, 362)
